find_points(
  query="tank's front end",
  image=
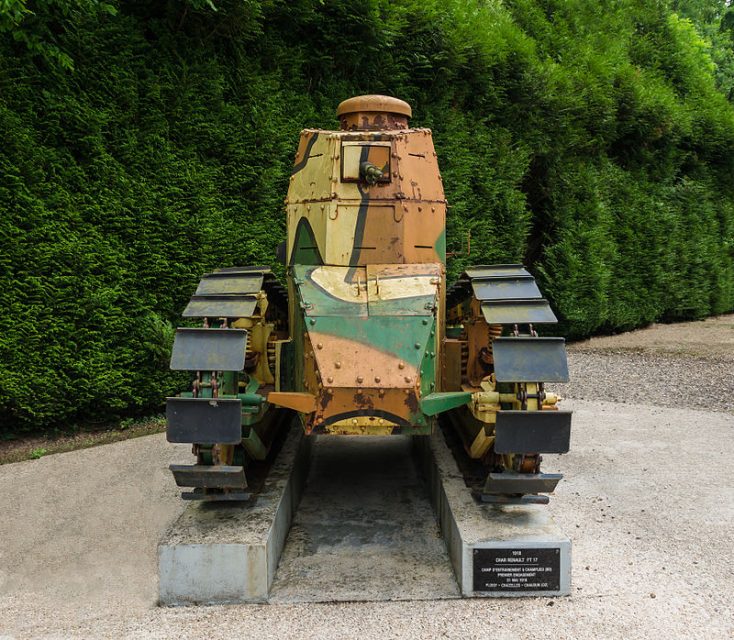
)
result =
(370, 346)
(366, 255)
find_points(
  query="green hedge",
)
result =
(144, 143)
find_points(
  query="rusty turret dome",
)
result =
(373, 112)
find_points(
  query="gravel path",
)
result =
(651, 547)
(651, 378)
(678, 365)
(652, 530)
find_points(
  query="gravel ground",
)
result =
(651, 378)
(677, 365)
(652, 532)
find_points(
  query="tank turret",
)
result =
(368, 194)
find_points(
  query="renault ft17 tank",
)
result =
(367, 339)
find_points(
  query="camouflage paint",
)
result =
(364, 350)
(366, 269)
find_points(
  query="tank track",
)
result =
(506, 364)
(225, 415)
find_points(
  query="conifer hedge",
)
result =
(146, 142)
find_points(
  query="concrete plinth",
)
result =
(225, 553)
(496, 551)
(365, 528)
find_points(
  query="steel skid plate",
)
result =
(530, 359)
(495, 271)
(219, 496)
(532, 310)
(204, 420)
(206, 476)
(221, 306)
(532, 432)
(505, 287)
(239, 282)
(262, 269)
(502, 499)
(209, 350)
(512, 483)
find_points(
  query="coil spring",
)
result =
(270, 347)
(464, 354)
(493, 331)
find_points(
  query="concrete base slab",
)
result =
(364, 530)
(495, 550)
(228, 552)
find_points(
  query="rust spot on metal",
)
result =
(362, 401)
(411, 401)
(325, 398)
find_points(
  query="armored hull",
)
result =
(367, 339)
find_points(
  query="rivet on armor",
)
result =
(360, 379)
(338, 365)
(401, 365)
(417, 345)
(319, 345)
(329, 379)
(377, 378)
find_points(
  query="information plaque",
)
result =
(506, 570)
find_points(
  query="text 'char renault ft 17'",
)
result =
(367, 339)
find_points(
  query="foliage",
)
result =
(714, 19)
(147, 142)
(36, 27)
